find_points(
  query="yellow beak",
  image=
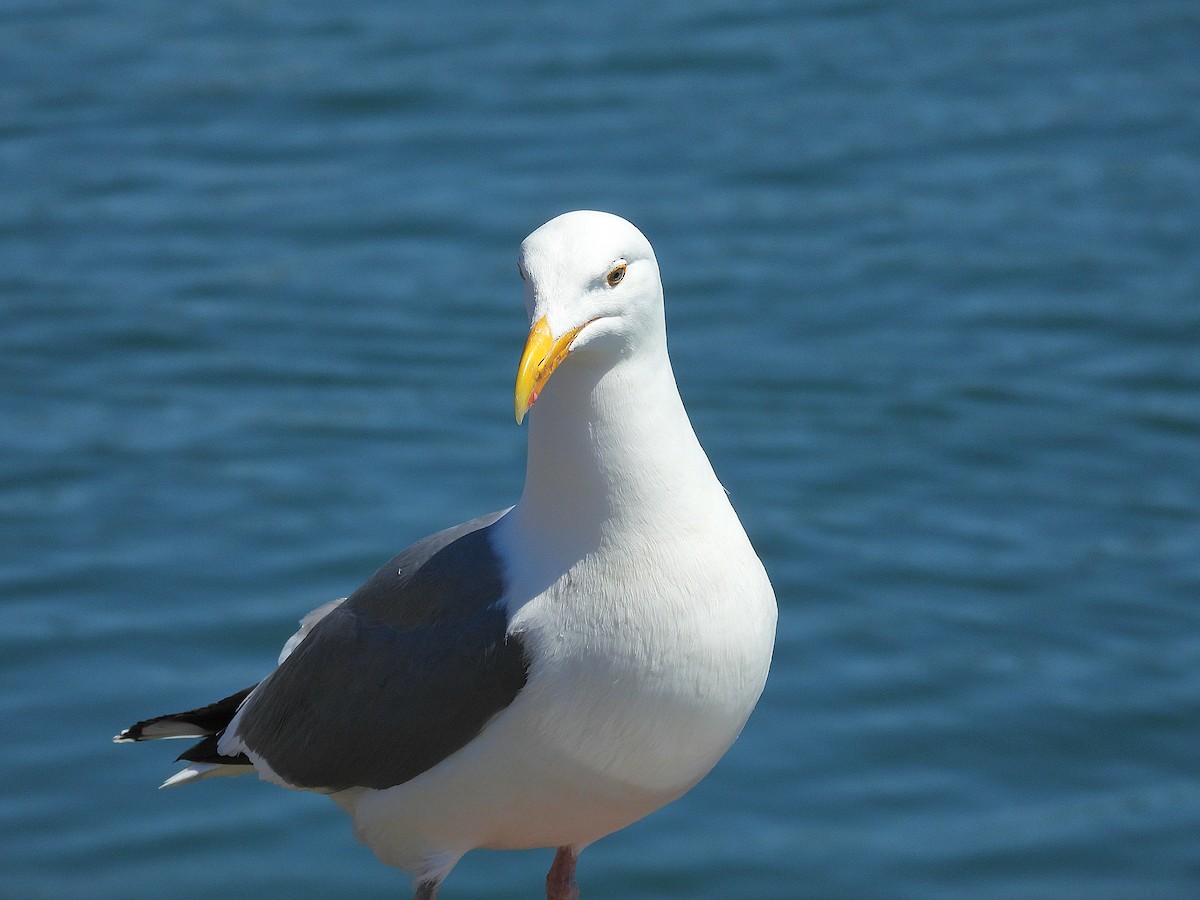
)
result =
(543, 353)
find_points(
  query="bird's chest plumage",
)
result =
(648, 676)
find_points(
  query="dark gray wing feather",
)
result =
(405, 672)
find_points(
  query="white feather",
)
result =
(306, 625)
(199, 771)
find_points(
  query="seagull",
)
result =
(545, 675)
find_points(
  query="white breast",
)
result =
(648, 676)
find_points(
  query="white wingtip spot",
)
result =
(198, 771)
(183, 776)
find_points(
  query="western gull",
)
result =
(545, 675)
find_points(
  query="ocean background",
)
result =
(933, 285)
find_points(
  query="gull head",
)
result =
(592, 290)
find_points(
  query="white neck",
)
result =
(609, 448)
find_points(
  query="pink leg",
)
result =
(561, 883)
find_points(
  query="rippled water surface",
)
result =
(933, 289)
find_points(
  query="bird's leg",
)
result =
(560, 882)
(427, 890)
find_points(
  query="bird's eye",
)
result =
(615, 275)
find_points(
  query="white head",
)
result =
(592, 289)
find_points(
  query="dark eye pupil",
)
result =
(615, 276)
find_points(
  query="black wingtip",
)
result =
(133, 733)
(204, 720)
(206, 752)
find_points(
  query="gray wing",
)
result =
(405, 672)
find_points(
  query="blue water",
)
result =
(933, 283)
